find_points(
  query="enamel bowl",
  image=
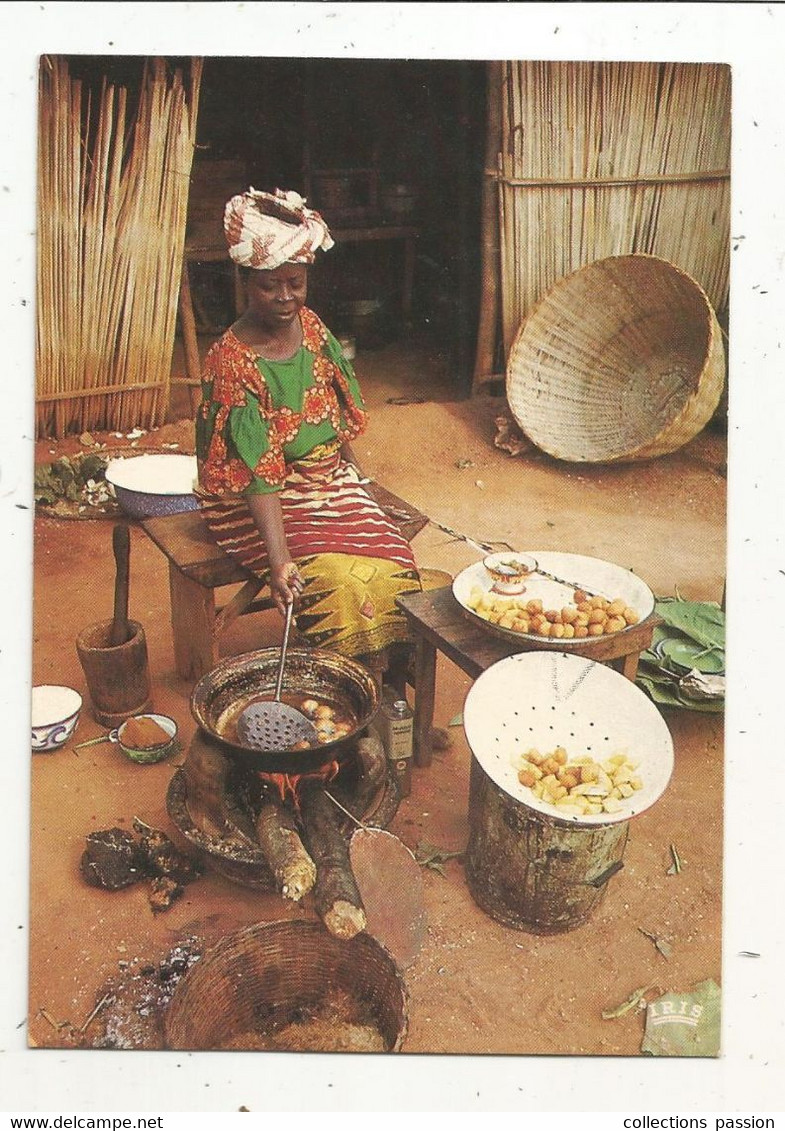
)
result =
(509, 572)
(153, 484)
(55, 713)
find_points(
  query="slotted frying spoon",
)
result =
(276, 726)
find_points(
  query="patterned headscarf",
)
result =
(265, 230)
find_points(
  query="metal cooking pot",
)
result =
(220, 697)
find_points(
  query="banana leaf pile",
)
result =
(685, 665)
(73, 484)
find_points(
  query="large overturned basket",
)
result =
(622, 360)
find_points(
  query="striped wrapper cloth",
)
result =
(354, 562)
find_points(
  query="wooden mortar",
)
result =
(118, 677)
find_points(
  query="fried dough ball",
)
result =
(589, 616)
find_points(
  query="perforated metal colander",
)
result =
(549, 699)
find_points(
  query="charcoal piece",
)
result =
(162, 858)
(111, 860)
(163, 892)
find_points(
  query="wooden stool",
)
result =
(439, 624)
(198, 566)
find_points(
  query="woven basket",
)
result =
(622, 360)
(266, 976)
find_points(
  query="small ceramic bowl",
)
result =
(509, 571)
(54, 715)
(148, 754)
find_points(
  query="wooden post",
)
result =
(193, 366)
(489, 277)
(425, 692)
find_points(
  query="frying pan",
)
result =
(220, 697)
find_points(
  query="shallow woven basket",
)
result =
(622, 360)
(265, 976)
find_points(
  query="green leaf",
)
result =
(704, 621)
(668, 696)
(675, 867)
(631, 1002)
(431, 856)
(665, 948)
(690, 655)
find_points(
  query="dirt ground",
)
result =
(476, 986)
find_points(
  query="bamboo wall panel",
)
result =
(602, 159)
(112, 201)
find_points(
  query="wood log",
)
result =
(336, 895)
(358, 796)
(284, 851)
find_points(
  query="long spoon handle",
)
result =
(284, 646)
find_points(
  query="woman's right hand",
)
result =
(286, 586)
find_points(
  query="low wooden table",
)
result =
(439, 624)
(198, 566)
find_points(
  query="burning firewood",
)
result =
(279, 840)
(336, 894)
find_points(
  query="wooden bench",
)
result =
(198, 567)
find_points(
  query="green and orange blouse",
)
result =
(257, 416)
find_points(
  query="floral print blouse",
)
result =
(258, 415)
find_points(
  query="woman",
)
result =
(279, 486)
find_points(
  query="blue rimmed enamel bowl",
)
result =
(54, 715)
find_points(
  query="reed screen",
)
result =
(112, 201)
(602, 159)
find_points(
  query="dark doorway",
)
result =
(371, 143)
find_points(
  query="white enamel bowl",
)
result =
(575, 571)
(54, 714)
(153, 484)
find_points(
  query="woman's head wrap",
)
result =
(265, 230)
